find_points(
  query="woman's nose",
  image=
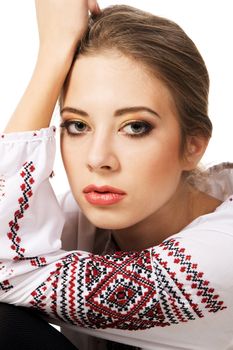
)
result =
(101, 156)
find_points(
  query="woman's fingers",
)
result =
(94, 7)
(63, 22)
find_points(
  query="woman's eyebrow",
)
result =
(117, 113)
(74, 111)
(122, 111)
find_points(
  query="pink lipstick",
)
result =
(103, 195)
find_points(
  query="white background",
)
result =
(208, 22)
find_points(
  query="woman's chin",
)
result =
(110, 218)
(107, 225)
(115, 222)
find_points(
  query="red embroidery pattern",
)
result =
(58, 283)
(26, 188)
(37, 261)
(5, 286)
(13, 234)
(157, 287)
(190, 294)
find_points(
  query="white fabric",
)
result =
(208, 241)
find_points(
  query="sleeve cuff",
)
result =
(28, 135)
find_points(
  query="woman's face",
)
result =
(120, 130)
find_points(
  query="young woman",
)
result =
(133, 95)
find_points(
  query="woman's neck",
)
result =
(187, 205)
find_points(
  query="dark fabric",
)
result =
(117, 346)
(21, 328)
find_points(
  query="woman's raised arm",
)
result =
(61, 24)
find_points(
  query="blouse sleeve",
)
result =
(160, 286)
(31, 220)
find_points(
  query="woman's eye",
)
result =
(137, 129)
(75, 127)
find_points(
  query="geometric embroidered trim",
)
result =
(5, 286)
(160, 286)
(23, 201)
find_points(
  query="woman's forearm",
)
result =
(36, 106)
(61, 25)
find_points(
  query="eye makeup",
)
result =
(75, 127)
(133, 128)
(136, 128)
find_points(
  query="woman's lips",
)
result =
(103, 195)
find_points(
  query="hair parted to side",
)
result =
(165, 50)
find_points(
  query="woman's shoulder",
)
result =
(217, 180)
(219, 222)
(206, 244)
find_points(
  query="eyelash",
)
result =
(147, 128)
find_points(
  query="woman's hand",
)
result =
(62, 23)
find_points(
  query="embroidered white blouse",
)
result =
(177, 295)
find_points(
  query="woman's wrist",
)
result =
(59, 56)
